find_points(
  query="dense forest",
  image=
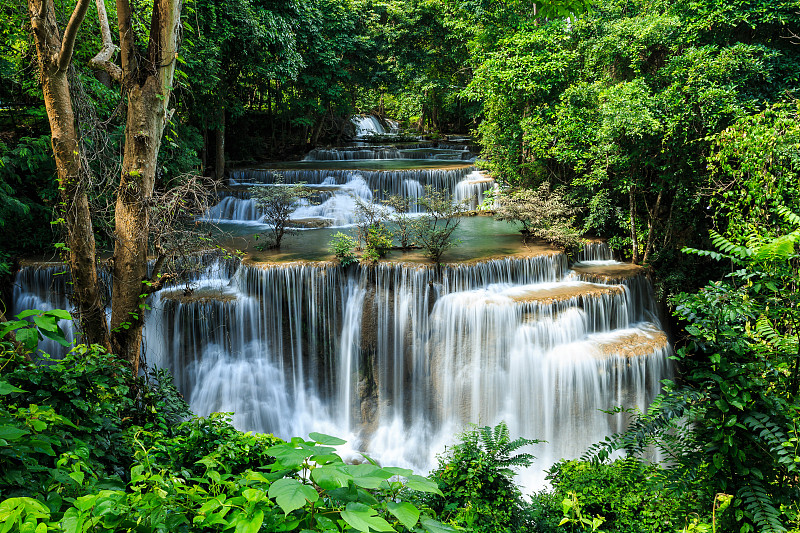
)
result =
(669, 130)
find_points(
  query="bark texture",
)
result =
(54, 54)
(148, 80)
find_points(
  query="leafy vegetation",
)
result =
(543, 214)
(434, 230)
(277, 203)
(86, 445)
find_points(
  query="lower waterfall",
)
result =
(399, 358)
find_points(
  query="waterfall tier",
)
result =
(398, 358)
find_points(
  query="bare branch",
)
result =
(68, 41)
(102, 61)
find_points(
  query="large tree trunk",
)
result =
(632, 222)
(219, 161)
(148, 81)
(651, 226)
(55, 54)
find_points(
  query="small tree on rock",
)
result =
(434, 230)
(401, 218)
(278, 202)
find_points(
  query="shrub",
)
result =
(543, 214)
(379, 242)
(278, 202)
(342, 247)
(434, 230)
(476, 479)
(626, 493)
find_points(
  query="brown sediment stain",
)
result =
(198, 296)
(608, 272)
(634, 344)
(310, 223)
(567, 292)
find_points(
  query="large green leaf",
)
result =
(364, 518)
(434, 526)
(423, 484)
(326, 439)
(368, 476)
(330, 477)
(407, 513)
(290, 494)
(8, 388)
(12, 433)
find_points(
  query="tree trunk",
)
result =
(219, 161)
(632, 216)
(651, 227)
(55, 55)
(148, 81)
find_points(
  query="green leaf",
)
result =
(290, 494)
(12, 433)
(434, 526)
(8, 388)
(364, 518)
(330, 477)
(397, 471)
(407, 513)
(423, 484)
(60, 314)
(45, 323)
(29, 338)
(250, 524)
(29, 312)
(326, 439)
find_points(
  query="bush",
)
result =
(543, 214)
(379, 242)
(342, 247)
(626, 493)
(476, 480)
(434, 230)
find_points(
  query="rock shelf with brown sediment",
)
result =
(635, 342)
(202, 295)
(567, 291)
(608, 271)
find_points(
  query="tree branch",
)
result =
(102, 61)
(68, 41)
(126, 38)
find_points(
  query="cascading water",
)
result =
(472, 189)
(398, 358)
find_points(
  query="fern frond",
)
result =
(788, 215)
(760, 505)
(726, 246)
(775, 438)
(778, 249)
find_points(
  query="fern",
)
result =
(498, 445)
(788, 215)
(776, 440)
(760, 506)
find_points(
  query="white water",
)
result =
(398, 359)
(471, 190)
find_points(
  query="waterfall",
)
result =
(398, 358)
(367, 125)
(470, 191)
(382, 181)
